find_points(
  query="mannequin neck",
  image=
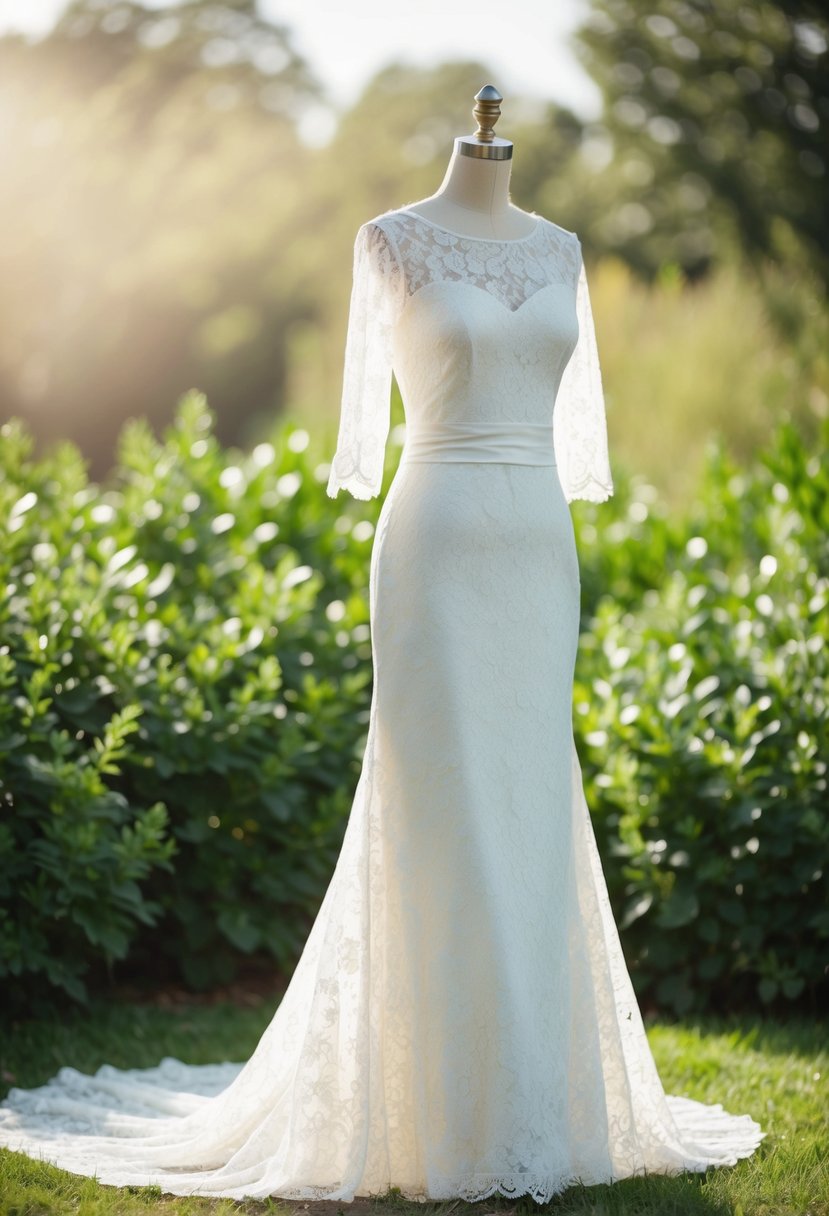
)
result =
(473, 199)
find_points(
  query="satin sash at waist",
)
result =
(503, 442)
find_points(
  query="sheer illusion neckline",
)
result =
(487, 240)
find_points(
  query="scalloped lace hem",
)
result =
(356, 488)
(707, 1136)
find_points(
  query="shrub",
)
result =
(185, 659)
(701, 716)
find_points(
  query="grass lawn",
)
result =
(775, 1071)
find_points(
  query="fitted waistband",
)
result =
(501, 442)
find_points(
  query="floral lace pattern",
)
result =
(408, 295)
(461, 1020)
(376, 296)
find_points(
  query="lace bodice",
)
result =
(476, 331)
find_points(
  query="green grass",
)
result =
(775, 1071)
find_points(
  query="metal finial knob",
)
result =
(484, 145)
(487, 111)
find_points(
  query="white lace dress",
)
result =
(461, 1020)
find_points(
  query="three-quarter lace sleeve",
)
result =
(365, 410)
(579, 419)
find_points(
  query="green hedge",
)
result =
(701, 718)
(185, 663)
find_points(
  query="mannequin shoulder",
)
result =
(559, 230)
(562, 245)
(386, 222)
(379, 234)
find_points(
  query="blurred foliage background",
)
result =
(185, 671)
(163, 226)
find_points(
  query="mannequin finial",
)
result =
(487, 111)
(485, 144)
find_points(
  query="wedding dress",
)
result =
(461, 1019)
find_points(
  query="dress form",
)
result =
(461, 1020)
(473, 198)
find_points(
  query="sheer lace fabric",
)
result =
(551, 375)
(461, 1020)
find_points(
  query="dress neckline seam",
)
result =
(461, 236)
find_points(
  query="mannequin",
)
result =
(473, 199)
(461, 1020)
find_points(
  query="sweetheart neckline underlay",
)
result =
(475, 287)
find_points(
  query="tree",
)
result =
(150, 169)
(715, 122)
